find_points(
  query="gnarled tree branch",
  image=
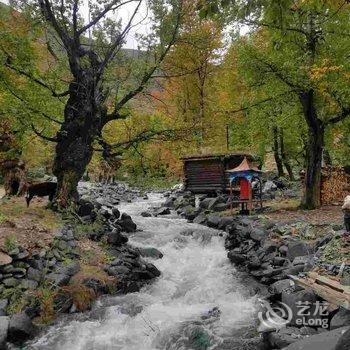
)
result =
(39, 133)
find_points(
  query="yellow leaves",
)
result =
(336, 5)
(260, 39)
(15, 23)
(318, 73)
(321, 76)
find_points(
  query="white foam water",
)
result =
(196, 303)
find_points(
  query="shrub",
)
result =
(45, 298)
(10, 243)
(3, 218)
(82, 296)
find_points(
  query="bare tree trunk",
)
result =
(276, 154)
(316, 131)
(312, 197)
(284, 156)
(83, 123)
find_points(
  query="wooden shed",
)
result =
(205, 174)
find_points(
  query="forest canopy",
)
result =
(269, 78)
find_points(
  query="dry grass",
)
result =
(92, 253)
(88, 272)
(81, 295)
(31, 227)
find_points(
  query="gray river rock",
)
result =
(197, 303)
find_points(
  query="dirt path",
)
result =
(321, 216)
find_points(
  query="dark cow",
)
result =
(42, 189)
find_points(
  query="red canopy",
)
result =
(244, 166)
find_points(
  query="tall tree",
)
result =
(300, 48)
(101, 80)
(191, 73)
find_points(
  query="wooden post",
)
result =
(227, 138)
(250, 199)
(231, 197)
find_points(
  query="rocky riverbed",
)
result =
(198, 301)
(37, 285)
(163, 279)
(269, 252)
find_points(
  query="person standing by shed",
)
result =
(346, 210)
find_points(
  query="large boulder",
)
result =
(258, 235)
(341, 319)
(285, 285)
(201, 219)
(69, 269)
(34, 274)
(117, 271)
(220, 207)
(189, 212)
(301, 298)
(3, 305)
(105, 213)
(183, 201)
(116, 239)
(150, 252)
(116, 213)
(58, 279)
(236, 258)
(85, 208)
(20, 328)
(162, 211)
(5, 259)
(213, 220)
(147, 273)
(217, 204)
(204, 203)
(169, 203)
(344, 341)
(126, 223)
(297, 248)
(289, 335)
(4, 325)
(225, 221)
(323, 341)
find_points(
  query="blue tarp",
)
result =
(248, 174)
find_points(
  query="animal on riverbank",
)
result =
(42, 189)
